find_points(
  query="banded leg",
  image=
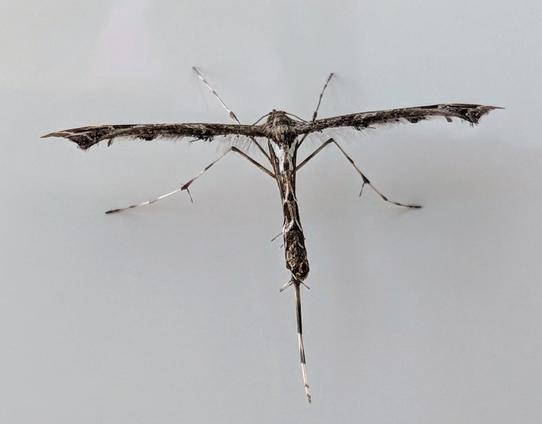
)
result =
(186, 186)
(230, 112)
(363, 177)
(301, 346)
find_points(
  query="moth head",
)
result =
(279, 118)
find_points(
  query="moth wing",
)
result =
(86, 137)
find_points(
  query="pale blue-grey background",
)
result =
(172, 314)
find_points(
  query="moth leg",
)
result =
(186, 186)
(303, 360)
(366, 180)
(226, 108)
(301, 345)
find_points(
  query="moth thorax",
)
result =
(281, 127)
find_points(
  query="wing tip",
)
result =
(489, 107)
(474, 113)
(84, 143)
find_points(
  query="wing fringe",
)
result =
(471, 113)
(86, 137)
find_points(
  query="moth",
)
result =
(278, 139)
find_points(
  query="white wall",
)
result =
(172, 313)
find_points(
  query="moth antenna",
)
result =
(315, 113)
(212, 90)
(231, 114)
(297, 293)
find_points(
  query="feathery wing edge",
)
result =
(467, 112)
(86, 137)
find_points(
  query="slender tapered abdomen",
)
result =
(294, 240)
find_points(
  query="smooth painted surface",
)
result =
(172, 314)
